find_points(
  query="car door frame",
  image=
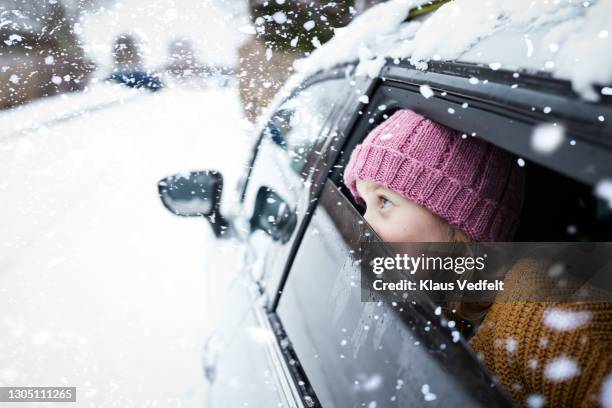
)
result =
(451, 83)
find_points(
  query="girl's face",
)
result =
(396, 219)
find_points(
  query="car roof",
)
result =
(558, 39)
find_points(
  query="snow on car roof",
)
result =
(568, 39)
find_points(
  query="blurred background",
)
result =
(100, 287)
(56, 46)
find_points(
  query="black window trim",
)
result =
(450, 81)
(533, 90)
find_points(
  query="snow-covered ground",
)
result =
(100, 287)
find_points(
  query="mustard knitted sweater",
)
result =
(564, 365)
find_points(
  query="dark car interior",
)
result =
(558, 206)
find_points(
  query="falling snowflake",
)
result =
(565, 320)
(535, 401)
(606, 392)
(561, 369)
(426, 91)
(279, 17)
(511, 344)
(603, 190)
(547, 138)
(427, 394)
(309, 25)
(558, 268)
(372, 383)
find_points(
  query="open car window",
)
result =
(355, 345)
(383, 353)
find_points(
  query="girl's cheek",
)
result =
(408, 225)
(394, 230)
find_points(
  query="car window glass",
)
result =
(297, 124)
(383, 353)
(280, 171)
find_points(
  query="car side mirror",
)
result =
(195, 194)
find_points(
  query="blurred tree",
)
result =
(302, 25)
(286, 30)
(298, 25)
(39, 51)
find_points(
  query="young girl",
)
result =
(423, 182)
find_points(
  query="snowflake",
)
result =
(535, 401)
(426, 91)
(427, 394)
(547, 138)
(561, 369)
(606, 392)
(565, 320)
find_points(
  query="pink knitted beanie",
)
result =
(470, 183)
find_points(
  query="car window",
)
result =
(385, 354)
(284, 160)
(294, 125)
(287, 141)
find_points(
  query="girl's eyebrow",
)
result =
(381, 189)
(387, 193)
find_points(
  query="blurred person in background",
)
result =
(128, 65)
(183, 64)
(185, 67)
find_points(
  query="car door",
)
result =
(242, 360)
(350, 353)
(373, 354)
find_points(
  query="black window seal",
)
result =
(494, 88)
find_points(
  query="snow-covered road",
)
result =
(100, 287)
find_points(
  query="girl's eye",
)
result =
(385, 203)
